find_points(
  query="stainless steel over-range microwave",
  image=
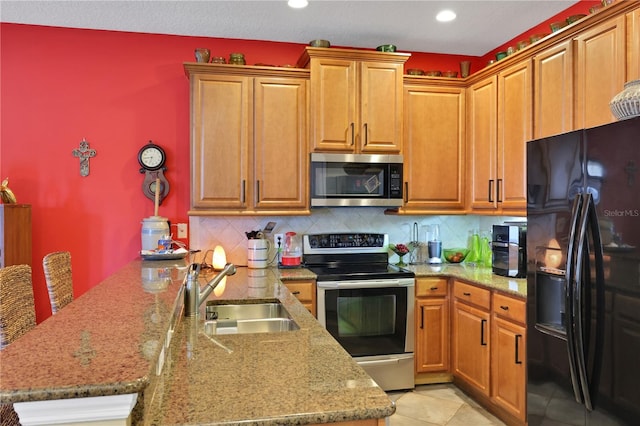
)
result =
(344, 180)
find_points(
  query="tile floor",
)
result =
(438, 405)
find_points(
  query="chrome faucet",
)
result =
(193, 296)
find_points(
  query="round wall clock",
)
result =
(151, 157)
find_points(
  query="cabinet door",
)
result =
(633, 45)
(333, 105)
(305, 292)
(600, 71)
(432, 335)
(508, 366)
(15, 234)
(221, 113)
(471, 337)
(514, 130)
(380, 126)
(434, 148)
(553, 93)
(280, 156)
(482, 133)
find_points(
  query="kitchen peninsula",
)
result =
(126, 337)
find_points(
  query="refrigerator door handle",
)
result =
(578, 336)
(588, 222)
(569, 296)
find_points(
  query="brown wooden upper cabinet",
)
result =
(249, 152)
(499, 125)
(633, 45)
(576, 78)
(356, 100)
(434, 147)
(600, 70)
(553, 98)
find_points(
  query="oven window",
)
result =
(366, 316)
(368, 321)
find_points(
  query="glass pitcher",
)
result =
(474, 248)
(485, 249)
(292, 253)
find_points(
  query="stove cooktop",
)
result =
(359, 272)
(350, 256)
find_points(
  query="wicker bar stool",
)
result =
(17, 308)
(57, 271)
(17, 317)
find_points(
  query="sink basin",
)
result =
(249, 311)
(265, 325)
(268, 317)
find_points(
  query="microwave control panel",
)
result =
(395, 181)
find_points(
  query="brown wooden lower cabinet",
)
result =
(508, 355)
(471, 337)
(478, 342)
(432, 329)
(305, 292)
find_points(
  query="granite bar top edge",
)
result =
(71, 392)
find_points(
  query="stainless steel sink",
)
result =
(215, 311)
(269, 317)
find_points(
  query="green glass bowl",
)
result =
(386, 48)
(455, 255)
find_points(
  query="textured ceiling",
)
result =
(481, 25)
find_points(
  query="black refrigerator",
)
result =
(583, 277)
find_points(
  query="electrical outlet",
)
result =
(182, 230)
(278, 238)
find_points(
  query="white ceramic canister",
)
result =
(257, 253)
(154, 228)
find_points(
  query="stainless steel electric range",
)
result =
(365, 303)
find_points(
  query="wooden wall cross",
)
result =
(84, 153)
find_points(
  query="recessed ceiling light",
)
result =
(297, 4)
(446, 16)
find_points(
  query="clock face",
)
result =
(151, 157)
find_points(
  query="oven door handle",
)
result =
(385, 360)
(366, 283)
(379, 362)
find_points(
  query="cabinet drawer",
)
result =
(431, 287)
(302, 291)
(509, 307)
(471, 294)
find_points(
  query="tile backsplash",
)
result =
(229, 231)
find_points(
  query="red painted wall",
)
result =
(117, 90)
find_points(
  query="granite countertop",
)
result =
(114, 340)
(481, 276)
(111, 341)
(296, 377)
